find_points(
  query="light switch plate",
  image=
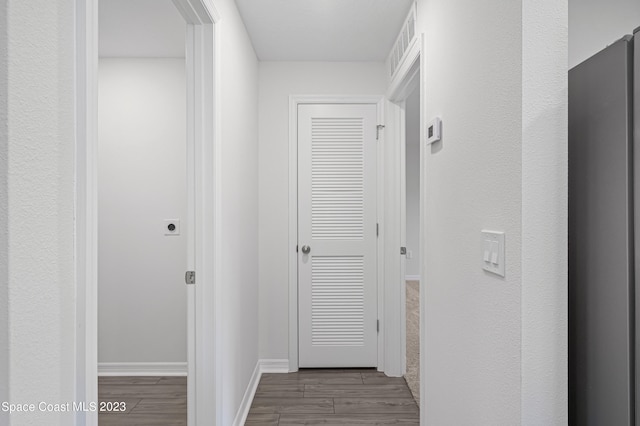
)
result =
(492, 253)
(172, 227)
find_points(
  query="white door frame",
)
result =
(408, 77)
(294, 101)
(203, 153)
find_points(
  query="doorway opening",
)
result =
(200, 136)
(144, 212)
(411, 237)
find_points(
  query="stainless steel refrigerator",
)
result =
(604, 236)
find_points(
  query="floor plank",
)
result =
(345, 420)
(375, 405)
(357, 391)
(292, 405)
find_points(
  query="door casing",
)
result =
(202, 71)
(294, 101)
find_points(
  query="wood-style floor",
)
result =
(333, 397)
(308, 397)
(159, 401)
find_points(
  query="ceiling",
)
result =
(323, 30)
(280, 30)
(141, 28)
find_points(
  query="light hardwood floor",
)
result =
(333, 397)
(159, 401)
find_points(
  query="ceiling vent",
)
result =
(405, 40)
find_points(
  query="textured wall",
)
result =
(142, 180)
(4, 230)
(278, 80)
(40, 217)
(544, 213)
(473, 81)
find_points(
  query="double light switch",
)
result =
(493, 252)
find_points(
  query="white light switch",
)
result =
(493, 252)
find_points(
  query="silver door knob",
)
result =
(306, 249)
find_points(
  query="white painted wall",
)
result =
(278, 80)
(142, 181)
(595, 24)
(495, 346)
(544, 213)
(239, 239)
(40, 195)
(4, 228)
(473, 81)
(412, 110)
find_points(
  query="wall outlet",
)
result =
(172, 227)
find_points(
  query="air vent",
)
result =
(404, 41)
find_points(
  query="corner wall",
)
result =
(544, 213)
(239, 210)
(40, 168)
(278, 80)
(472, 319)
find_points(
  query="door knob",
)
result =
(306, 249)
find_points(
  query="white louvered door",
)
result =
(337, 283)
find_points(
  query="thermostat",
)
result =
(433, 130)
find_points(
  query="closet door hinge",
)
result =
(378, 326)
(190, 277)
(377, 229)
(378, 128)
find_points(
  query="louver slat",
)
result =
(337, 178)
(337, 301)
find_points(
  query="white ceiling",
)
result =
(281, 30)
(141, 28)
(323, 30)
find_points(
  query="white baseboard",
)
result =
(274, 365)
(262, 366)
(412, 277)
(142, 369)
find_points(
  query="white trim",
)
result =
(203, 76)
(247, 398)
(423, 239)
(294, 101)
(262, 366)
(274, 365)
(142, 369)
(412, 278)
(406, 78)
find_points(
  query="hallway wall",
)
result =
(496, 75)
(473, 181)
(239, 208)
(278, 80)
